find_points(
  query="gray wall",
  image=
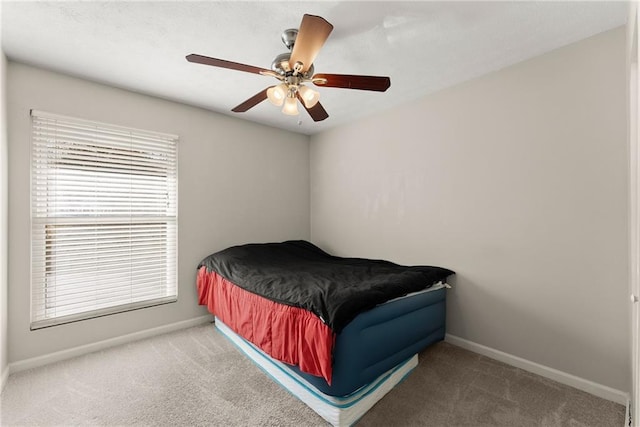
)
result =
(518, 182)
(238, 182)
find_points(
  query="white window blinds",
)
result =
(103, 218)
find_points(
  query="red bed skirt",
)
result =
(289, 334)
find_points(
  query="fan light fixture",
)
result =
(277, 94)
(309, 96)
(290, 105)
(282, 93)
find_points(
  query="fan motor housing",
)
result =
(282, 66)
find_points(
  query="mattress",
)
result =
(293, 301)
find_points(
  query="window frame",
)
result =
(167, 224)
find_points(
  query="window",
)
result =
(103, 219)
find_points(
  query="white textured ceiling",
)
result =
(422, 46)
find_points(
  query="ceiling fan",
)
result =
(295, 68)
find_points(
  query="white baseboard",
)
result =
(4, 377)
(544, 371)
(35, 362)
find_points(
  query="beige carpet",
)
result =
(197, 377)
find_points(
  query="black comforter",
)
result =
(336, 289)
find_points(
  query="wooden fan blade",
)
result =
(199, 59)
(317, 112)
(252, 102)
(312, 34)
(346, 81)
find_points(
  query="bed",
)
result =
(338, 333)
